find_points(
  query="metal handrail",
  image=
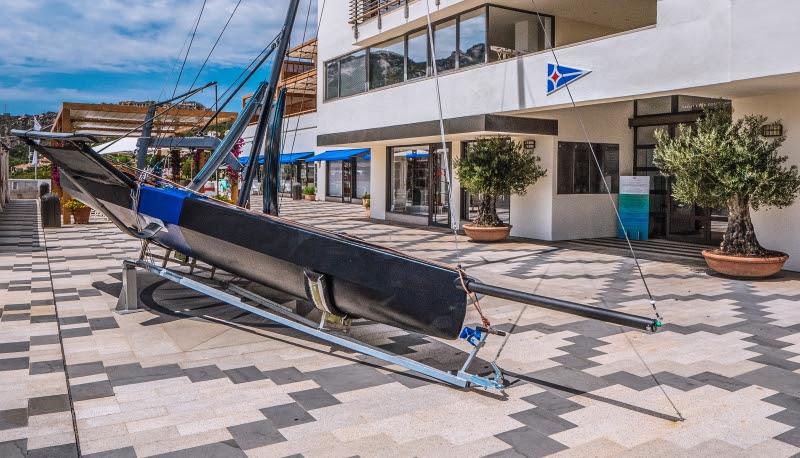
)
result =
(362, 10)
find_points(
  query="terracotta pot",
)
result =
(487, 234)
(744, 266)
(310, 197)
(81, 215)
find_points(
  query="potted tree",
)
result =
(365, 201)
(492, 167)
(79, 211)
(722, 162)
(310, 192)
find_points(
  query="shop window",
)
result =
(417, 55)
(514, 33)
(334, 178)
(386, 63)
(578, 173)
(444, 45)
(470, 202)
(352, 74)
(362, 177)
(472, 38)
(410, 180)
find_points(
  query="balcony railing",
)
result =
(363, 10)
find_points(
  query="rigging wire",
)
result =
(189, 48)
(549, 46)
(445, 152)
(216, 42)
(302, 102)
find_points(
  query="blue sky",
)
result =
(54, 51)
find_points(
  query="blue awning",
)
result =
(286, 158)
(338, 155)
(289, 158)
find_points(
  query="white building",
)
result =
(653, 64)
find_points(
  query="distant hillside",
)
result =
(19, 151)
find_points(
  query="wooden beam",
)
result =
(111, 108)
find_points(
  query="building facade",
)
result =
(645, 65)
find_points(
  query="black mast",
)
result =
(272, 156)
(274, 76)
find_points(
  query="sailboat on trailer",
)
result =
(340, 274)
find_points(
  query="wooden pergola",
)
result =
(299, 77)
(111, 120)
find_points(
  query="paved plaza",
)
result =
(191, 377)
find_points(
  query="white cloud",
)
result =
(131, 36)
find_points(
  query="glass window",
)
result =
(352, 73)
(417, 59)
(287, 177)
(646, 135)
(362, 177)
(578, 172)
(655, 105)
(472, 38)
(513, 33)
(470, 202)
(386, 63)
(334, 174)
(444, 45)
(410, 175)
(332, 80)
(309, 173)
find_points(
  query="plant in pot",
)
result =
(310, 192)
(365, 201)
(80, 212)
(722, 162)
(491, 167)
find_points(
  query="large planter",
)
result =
(310, 197)
(81, 215)
(744, 266)
(487, 234)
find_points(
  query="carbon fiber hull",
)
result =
(366, 280)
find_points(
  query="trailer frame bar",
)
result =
(277, 313)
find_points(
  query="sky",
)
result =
(54, 51)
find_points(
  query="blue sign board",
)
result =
(634, 207)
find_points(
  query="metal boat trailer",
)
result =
(277, 313)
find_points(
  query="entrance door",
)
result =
(347, 181)
(440, 190)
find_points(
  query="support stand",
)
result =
(128, 301)
(284, 316)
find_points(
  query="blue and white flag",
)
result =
(559, 76)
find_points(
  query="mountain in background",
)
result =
(19, 151)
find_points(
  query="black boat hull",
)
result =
(366, 280)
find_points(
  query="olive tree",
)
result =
(721, 162)
(496, 166)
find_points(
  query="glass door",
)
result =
(440, 189)
(347, 180)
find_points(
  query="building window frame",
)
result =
(430, 59)
(595, 186)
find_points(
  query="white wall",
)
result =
(532, 214)
(377, 182)
(591, 215)
(690, 47)
(778, 229)
(299, 134)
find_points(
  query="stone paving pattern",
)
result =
(192, 377)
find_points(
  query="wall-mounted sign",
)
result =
(559, 76)
(634, 207)
(529, 144)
